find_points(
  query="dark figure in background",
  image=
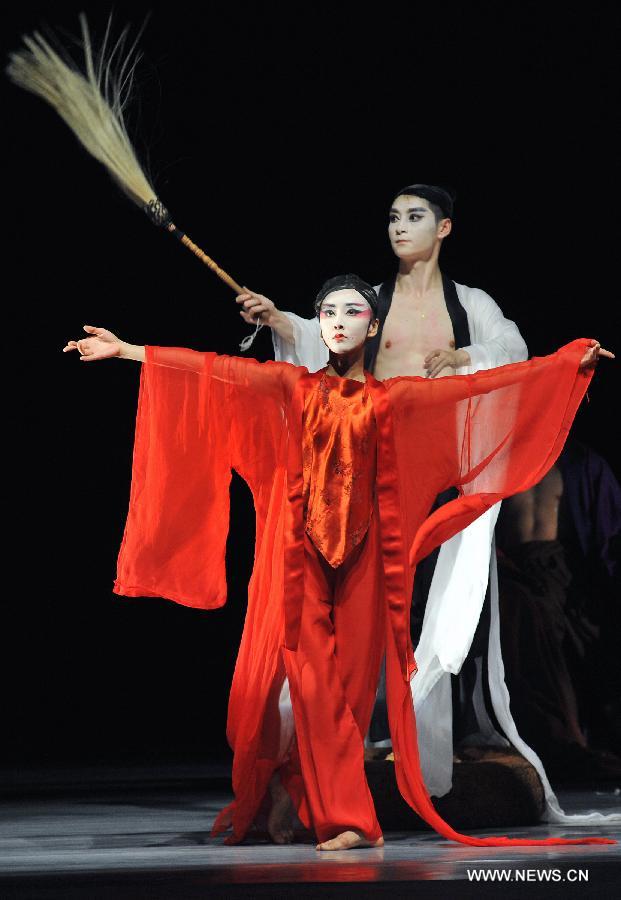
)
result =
(558, 570)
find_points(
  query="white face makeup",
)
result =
(412, 227)
(344, 318)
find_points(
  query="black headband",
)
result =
(345, 283)
(432, 194)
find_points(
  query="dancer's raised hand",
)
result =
(101, 344)
(589, 360)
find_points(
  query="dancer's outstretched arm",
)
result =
(199, 416)
(247, 396)
(262, 380)
(492, 434)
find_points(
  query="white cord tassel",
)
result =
(247, 342)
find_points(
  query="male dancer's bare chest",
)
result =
(413, 328)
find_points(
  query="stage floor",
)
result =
(138, 833)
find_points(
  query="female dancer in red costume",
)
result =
(343, 470)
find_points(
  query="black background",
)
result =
(277, 139)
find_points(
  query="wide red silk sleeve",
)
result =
(199, 416)
(492, 435)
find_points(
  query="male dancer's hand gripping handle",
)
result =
(257, 308)
(102, 344)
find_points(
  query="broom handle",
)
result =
(196, 250)
(159, 215)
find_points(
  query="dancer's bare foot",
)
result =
(280, 818)
(349, 840)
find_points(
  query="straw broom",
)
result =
(92, 103)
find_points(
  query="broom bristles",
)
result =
(91, 103)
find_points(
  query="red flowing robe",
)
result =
(200, 415)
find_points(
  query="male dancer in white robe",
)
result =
(431, 326)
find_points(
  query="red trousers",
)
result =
(333, 678)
